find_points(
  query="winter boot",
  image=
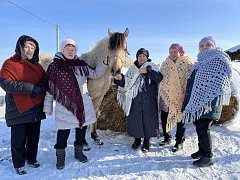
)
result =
(196, 155)
(136, 143)
(60, 153)
(35, 164)
(145, 147)
(166, 141)
(20, 171)
(203, 162)
(177, 147)
(79, 154)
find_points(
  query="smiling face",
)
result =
(142, 58)
(69, 51)
(174, 54)
(205, 46)
(29, 49)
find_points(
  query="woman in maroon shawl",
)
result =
(66, 84)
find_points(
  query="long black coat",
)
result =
(143, 121)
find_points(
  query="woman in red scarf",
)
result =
(66, 84)
(22, 77)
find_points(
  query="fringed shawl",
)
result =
(134, 82)
(63, 85)
(212, 80)
(173, 85)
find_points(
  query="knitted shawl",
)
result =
(17, 69)
(212, 80)
(134, 82)
(173, 85)
(63, 85)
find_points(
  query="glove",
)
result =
(42, 85)
(37, 90)
(149, 68)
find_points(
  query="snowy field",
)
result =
(116, 160)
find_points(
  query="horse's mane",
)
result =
(99, 50)
(117, 41)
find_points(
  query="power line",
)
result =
(48, 22)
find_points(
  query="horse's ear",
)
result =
(110, 33)
(126, 32)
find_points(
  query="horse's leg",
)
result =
(93, 128)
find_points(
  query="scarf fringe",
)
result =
(67, 103)
(125, 97)
(193, 116)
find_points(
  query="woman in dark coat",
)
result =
(138, 98)
(208, 89)
(22, 77)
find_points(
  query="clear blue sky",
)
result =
(153, 24)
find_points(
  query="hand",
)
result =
(142, 70)
(118, 77)
(42, 85)
(106, 59)
(149, 68)
(37, 90)
(48, 113)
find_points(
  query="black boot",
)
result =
(60, 153)
(136, 143)
(79, 154)
(167, 141)
(196, 155)
(145, 147)
(203, 162)
(177, 147)
(20, 171)
(35, 164)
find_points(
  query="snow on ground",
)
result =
(116, 160)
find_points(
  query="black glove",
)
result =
(42, 85)
(149, 68)
(37, 90)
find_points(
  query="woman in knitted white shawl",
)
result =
(175, 70)
(137, 95)
(208, 89)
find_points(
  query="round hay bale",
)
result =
(45, 60)
(228, 112)
(111, 114)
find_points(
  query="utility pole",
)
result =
(57, 38)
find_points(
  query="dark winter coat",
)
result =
(12, 115)
(143, 118)
(216, 109)
(13, 87)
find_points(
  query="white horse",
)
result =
(115, 44)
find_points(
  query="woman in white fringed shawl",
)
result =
(208, 89)
(137, 95)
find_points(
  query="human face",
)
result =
(174, 54)
(29, 49)
(142, 58)
(205, 46)
(69, 51)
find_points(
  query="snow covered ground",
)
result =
(116, 160)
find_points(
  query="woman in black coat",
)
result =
(138, 98)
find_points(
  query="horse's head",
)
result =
(117, 50)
